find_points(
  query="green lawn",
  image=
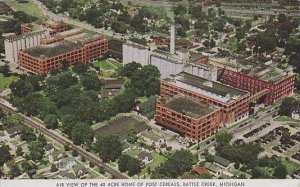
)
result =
(157, 160)
(151, 135)
(2, 133)
(30, 8)
(133, 152)
(5, 81)
(105, 65)
(286, 119)
(291, 166)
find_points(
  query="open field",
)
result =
(120, 127)
(5, 81)
(106, 65)
(30, 8)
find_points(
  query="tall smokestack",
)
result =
(172, 38)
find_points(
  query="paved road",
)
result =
(64, 141)
(260, 12)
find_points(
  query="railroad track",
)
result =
(64, 141)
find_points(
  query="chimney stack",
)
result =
(172, 38)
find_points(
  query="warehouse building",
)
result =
(188, 116)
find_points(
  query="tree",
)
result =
(36, 151)
(206, 43)
(80, 68)
(21, 88)
(130, 164)
(82, 134)
(264, 42)
(212, 43)
(260, 173)
(240, 33)
(176, 164)
(19, 151)
(223, 138)
(280, 171)
(128, 70)
(5, 70)
(14, 171)
(2, 114)
(287, 106)
(133, 166)
(27, 134)
(180, 10)
(132, 136)
(51, 121)
(53, 168)
(109, 148)
(91, 82)
(5, 154)
(281, 18)
(74, 153)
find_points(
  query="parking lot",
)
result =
(277, 138)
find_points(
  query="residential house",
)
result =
(66, 163)
(14, 130)
(111, 87)
(222, 162)
(145, 157)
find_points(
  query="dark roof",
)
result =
(52, 50)
(139, 41)
(113, 83)
(189, 106)
(218, 88)
(142, 155)
(14, 129)
(48, 147)
(200, 170)
(222, 161)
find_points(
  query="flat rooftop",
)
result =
(189, 106)
(82, 37)
(267, 71)
(52, 50)
(213, 87)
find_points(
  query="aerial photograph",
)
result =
(150, 89)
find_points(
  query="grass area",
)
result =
(133, 152)
(157, 160)
(2, 133)
(151, 135)
(287, 119)
(97, 125)
(117, 64)
(5, 81)
(43, 166)
(106, 65)
(30, 8)
(231, 44)
(290, 166)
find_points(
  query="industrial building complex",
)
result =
(50, 45)
(228, 89)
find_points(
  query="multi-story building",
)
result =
(256, 78)
(13, 44)
(51, 26)
(188, 116)
(81, 48)
(233, 102)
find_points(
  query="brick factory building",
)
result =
(234, 103)
(83, 47)
(188, 116)
(51, 26)
(267, 81)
